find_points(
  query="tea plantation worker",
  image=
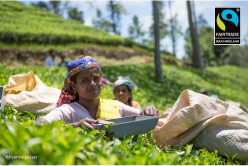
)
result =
(79, 102)
(122, 90)
(63, 63)
(50, 60)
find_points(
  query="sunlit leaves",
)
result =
(30, 24)
(60, 143)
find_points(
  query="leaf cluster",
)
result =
(60, 143)
(229, 82)
(23, 142)
(135, 30)
(75, 14)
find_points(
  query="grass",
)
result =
(59, 143)
(229, 82)
(30, 24)
(58, 47)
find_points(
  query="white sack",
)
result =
(40, 101)
(207, 123)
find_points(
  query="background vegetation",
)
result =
(29, 24)
(59, 143)
(229, 82)
(22, 142)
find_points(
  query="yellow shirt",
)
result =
(107, 109)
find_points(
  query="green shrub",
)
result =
(229, 82)
(59, 143)
(29, 24)
(23, 142)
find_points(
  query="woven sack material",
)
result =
(205, 122)
(39, 100)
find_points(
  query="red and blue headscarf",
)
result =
(67, 95)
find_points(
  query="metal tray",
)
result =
(132, 125)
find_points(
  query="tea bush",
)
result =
(229, 82)
(22, 142)
(29, 24)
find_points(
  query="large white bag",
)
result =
(207, 123)
(34, 97)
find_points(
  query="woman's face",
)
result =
(88, 84)
(122, 94)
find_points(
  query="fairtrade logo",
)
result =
(228, 15)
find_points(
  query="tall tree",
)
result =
(100, 22)
(162, 24)
(206, 38)
(42, 4)
(64, 5)
(55, 6)
(135, 29)
(116, 10)
(197, 63)
(157, 41)
(246, 48)
(246, 39)
(74, 14)
(175, 30)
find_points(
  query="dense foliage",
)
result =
(22, 142)
(229, 82)
(30, 24)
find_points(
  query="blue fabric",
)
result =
(214, 96)
(80, 64)
(128, 85)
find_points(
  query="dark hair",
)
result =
(51, 51)
(74, 78)
(130, 98)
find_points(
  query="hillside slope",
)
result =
(28, 33)
(30, 24)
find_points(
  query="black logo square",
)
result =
(227, 26)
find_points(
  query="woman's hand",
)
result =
(150, 111)
(86, 122)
